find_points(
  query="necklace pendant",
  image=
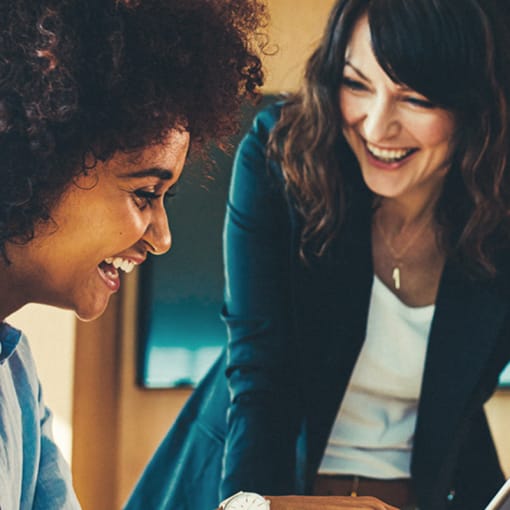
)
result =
(396, 277)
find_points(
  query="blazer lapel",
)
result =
(469, 315)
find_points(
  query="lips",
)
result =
(388, 156)
(110, 275)
(110, 268)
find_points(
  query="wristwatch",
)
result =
(245, 501)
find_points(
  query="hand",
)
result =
(327, 503)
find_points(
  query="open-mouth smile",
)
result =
(109, 270)
(388, 156)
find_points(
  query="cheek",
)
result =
(348, 108)
(121, 226)
(435, 132)
(133, 226)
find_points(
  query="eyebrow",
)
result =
(356, 70)
(162, 173)
(402, 86)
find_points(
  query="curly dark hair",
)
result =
(454, 52)
(83, 79)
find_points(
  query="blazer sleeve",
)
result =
(263, 416)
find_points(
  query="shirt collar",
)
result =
(9, 338)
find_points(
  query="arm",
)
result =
(327, 503)
(45, 479)
(263, 416)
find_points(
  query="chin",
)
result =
(382, 186)
(90, 311)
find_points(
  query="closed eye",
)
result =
(353, 84)
(143, 198)
(421, 103)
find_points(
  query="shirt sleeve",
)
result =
(263, 414)
(54, 490)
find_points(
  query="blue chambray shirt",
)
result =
(33, 473)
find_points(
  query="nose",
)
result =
(381, 120)
(157, 235)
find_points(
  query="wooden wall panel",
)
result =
(117, 424)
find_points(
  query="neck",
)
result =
(400, 214)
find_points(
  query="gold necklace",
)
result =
(397, 256)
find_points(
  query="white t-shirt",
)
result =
(373, 433)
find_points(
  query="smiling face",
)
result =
(402, 142)
(106, 222)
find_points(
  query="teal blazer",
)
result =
(295, 332)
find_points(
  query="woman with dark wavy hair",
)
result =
(367, 259)
(100, 102)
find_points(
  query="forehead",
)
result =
(360, 55)
(169, 154)
(360, 39)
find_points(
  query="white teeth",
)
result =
(111, 274)
(119, 263)
(127, 266)
(388, 154)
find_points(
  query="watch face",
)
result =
(247, 501)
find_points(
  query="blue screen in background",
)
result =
(181, 332)
(504, 379)
(181, 292)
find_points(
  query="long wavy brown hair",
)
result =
(454, 52)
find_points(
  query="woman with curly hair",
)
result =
(100, 102)
(367, 259)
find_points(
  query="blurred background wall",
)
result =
(52, 338)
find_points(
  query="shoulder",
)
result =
(266, 119)
(255, 140)
(17, 354)
(257, 194)
(14, 348)
(251, 156)
(9, 339)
